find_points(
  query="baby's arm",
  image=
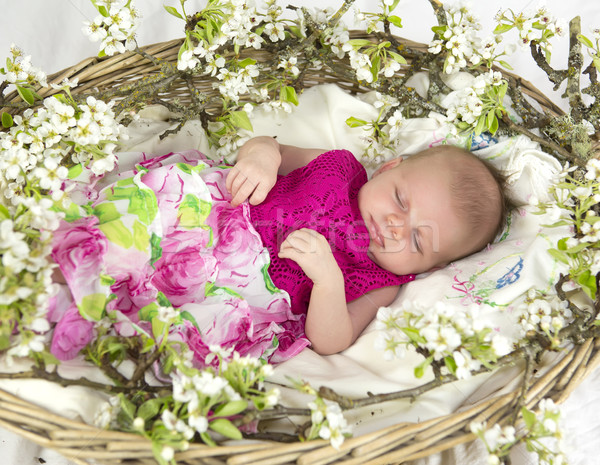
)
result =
(259, 161)
(331, 324)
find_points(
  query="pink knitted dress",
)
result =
(321, 196)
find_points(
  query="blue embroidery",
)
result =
(511, 276)
(483, 140)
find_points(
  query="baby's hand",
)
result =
(255, 172)
(312, 252)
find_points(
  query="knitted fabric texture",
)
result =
(321, 196)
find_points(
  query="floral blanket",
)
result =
(163, 236)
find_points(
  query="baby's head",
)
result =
(431, 208)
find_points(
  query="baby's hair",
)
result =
(478, 191)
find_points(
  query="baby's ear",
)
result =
(388, 165)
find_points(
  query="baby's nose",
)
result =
(395, 226)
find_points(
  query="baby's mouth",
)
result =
(375, 233)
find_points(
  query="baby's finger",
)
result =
(291, 253)
(260, 193)
(242, 192)
(301, 240)
(231, 177)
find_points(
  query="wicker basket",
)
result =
(403, 442)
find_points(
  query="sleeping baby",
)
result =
(286, 243)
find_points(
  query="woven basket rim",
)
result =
(402, 442)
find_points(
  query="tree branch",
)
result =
(574, 71)
(561, 152)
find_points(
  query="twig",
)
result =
(53, 376)
(574, 74)
(554, 76)
(561, 152)
(145, 361)
(527, 375)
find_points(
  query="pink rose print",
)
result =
(237, 242)
(183, 271)
(71, 334)
(79, 248)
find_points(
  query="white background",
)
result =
(50, 31)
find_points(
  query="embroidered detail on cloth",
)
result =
(322, 196)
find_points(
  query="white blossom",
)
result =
(198, 422)
(115, 32)
(275, 31)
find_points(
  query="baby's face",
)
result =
(412, 225)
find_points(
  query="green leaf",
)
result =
(4, 214)
(355, 122)
(588, 283)
(75, 171)
(585, 41)
(558, 255)
(288, 94)
(489, 118)
(529, 418)
(439, 30)
(150, 408)
(103, 11)
(208, 440)
(577, 248)
(226, 428)
(246, 62)
(359, 43)
(49, 359)
(128, 408)
(395, 20)
(294, 30)
(240, 120)
(394, 5)
(493, 126)
(231, 408)
(375, 65)
(26, 95)
(502, 28)
(414, 335)
(7, 120)
(399, 58)
(504, 64)
(420, 369)
(173, 11)
(480, 125)
(450, 364)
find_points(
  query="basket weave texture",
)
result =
(400, 443)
